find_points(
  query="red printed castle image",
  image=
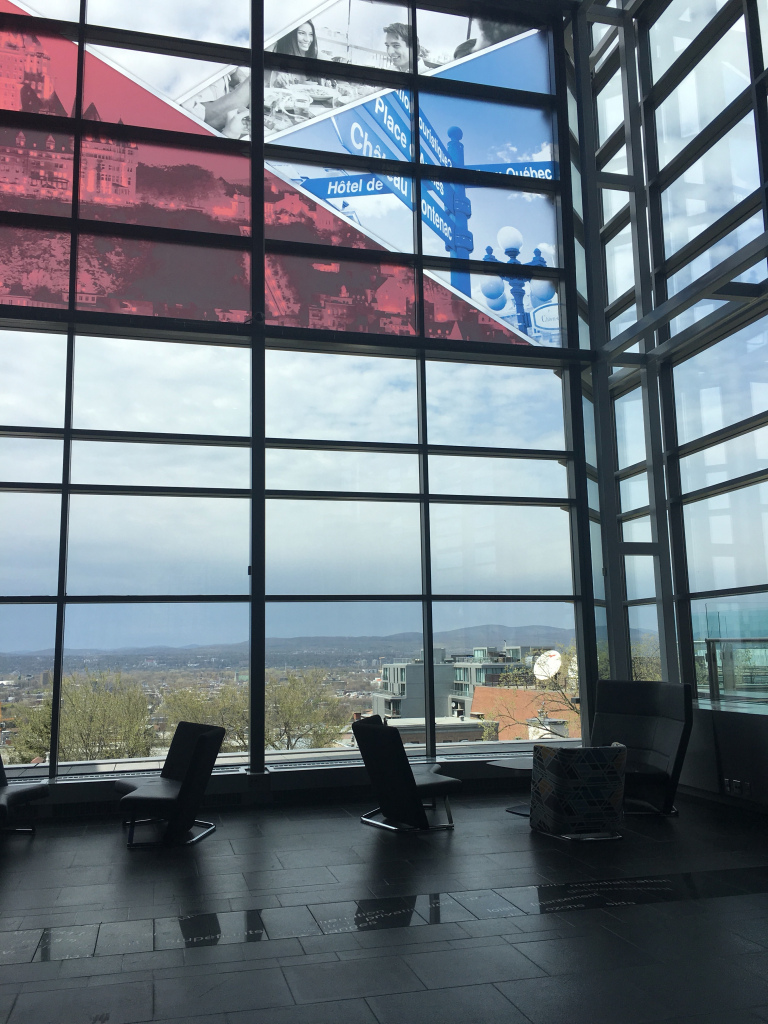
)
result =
(124, 181)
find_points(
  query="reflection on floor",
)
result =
(304, 915)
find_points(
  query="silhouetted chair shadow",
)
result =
(653, 720)
(577, 792)
(400, 789)
(12, 798)
(175, 796)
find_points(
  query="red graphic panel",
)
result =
(294, 217)
(38, 73)
(34, 270)
(111, 95)
(119, 275)
(448, 316)
(36, 172)
(339, 295)
(136, 183)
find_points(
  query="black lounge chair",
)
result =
(14, 797)
(400, 789)
(175, 796)
(653, 720)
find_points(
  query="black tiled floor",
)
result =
(306, 917)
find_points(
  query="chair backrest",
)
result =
(653, 720)
(3, 776)
(384, 756)
(182, 747)
(199, 768)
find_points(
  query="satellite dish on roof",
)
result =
(547, 665)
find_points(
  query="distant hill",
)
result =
(306, 651)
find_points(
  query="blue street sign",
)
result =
(545, 170)
(345, 186)
(351, 186)
(433, 150)
(438, 220)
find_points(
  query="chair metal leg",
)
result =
(369, 819)
(207, 826)
(23, 829)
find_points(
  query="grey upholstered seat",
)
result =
(13, 798)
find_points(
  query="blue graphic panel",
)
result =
(487, 136)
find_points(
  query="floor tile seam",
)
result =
(496, 984)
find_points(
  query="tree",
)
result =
(228, 707)
(302, 712)
(646, 657)
(101, 717)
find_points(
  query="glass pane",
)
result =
(345, 31)
(195, 19)
(716, 80)
(480, 307)
(638, 570)
(291, 469)
(159, 465)
(40, 72)
(644, 642)
(329, 397)
(533, 478)
(333, 207)
(603, 657)
(67, 10)
(342, 547)
(596, 545)
(723, 384)
(617, 164)
(718, 252)
(725, 539)
(738, 669)
(147, 667)
(340, 295)
(511, 227)
(508, 54)
(27, 640)
(486, 660)
(613, 202)
(340, 659)
(132, 384)
(630, 428)
(494, 406)
(164, 186)
(677, 26)
(31, 460)
(337, 116)
(693, 314)
(590, 436)
(486, 136)
(36, 172)
(713, 185)
(637, 531)
(593, 494)
(173, 93)
(29, 543)
(32, 369)
(498, 549)
(125, 544)
(35, 268)
(123, 275)
(634, 492)
(619, 265)
(623, 321)
(747, 453)
(610, 108)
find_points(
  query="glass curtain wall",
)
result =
(675, 202)
(399, 320)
